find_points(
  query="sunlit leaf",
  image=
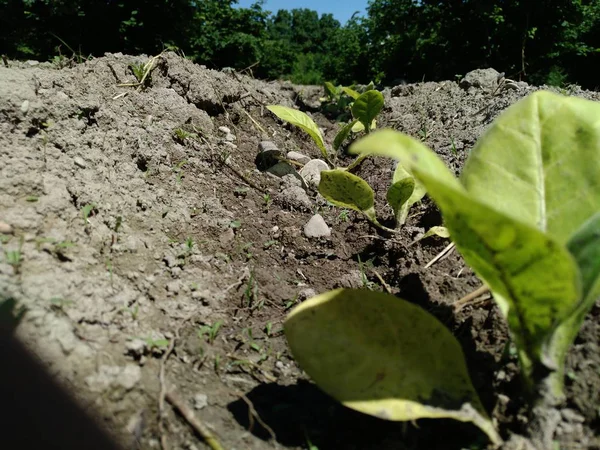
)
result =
(301, 120)
(348, 191)
(366, 107)
(383, 356)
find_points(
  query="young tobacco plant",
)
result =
(343, 188)
(525, 214)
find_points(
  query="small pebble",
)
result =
(5, 228)
(316, 227)
(80, 162)
(311, 171)
(224, 130)
(200, 401)
(299, 157)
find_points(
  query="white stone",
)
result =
(224, 130)
(316, 227)
(311, 171)
(299, 157)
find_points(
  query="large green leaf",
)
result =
(301, 120)
(540, 163)
(343, 134)
(383, 356)
(366, 107)
(533, 277)
(347, 190)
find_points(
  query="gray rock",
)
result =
(5, 228)
(136, 347)
(316, 227)
(268, 155)
(114, 377)
(224, 130)
(306, 293)
(311, 171)
(229, 137)
(80, 162)
(25, 107)
(267, 146)
(281, 169)
(299, 157)
(481, 78)
(294, 197)
(200, 401)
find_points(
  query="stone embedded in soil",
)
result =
(224, 130)
(136, 347)
(481, 78)
(298, 157)
(281, 169)
(316, 227)
(230, 137)
(226, 236)
(294, 197)
(80, 162)
(200, 401)
(306, 293)
(5, 228)
(268, 155)
(114, 377)
(311, 171)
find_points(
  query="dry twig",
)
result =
(194, 422)
(469, 298)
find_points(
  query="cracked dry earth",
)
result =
(131, 234)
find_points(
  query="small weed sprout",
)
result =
(86, 212)
(211, 331)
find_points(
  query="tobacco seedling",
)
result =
(339, 186)
(525, 216)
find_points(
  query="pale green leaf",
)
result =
(442, 232)
(398, 195)
(301, 120)
(358, 126)
(330, 89)
(383, 356)
(535, 278)
(348, 191)
(366, 107)
(351, 92)
(540, 163)
(343, 134)
(418, 192)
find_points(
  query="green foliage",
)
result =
(513, 218)
(527, 239)
(383, 356)
(347, 190)
(303, 121)
(341, 187)
(397, 39)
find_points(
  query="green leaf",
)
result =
(383, 356)
(533, 278)
(366, 107)
(343, 134)
(433, 231)
(348, 191)
(399, 204)
(540, 163)
(350, 92)
(584, 245)
(301, 120)
(398, 195)
(358, 126)
(330, 89)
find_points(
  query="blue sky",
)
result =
(342, 10)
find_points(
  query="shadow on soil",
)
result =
(301, 412)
